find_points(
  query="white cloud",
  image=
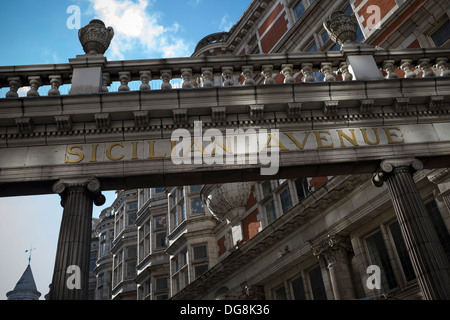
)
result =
(136, 28)
(225, 24)
(194, 3)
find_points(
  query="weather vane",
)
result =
(30, 251)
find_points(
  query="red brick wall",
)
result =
(317, 182)
(250, 226)
(278, 29)
(270, 18)
(251, 199)
(222, 247)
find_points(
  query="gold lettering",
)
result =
(277, 141)
(194, 145)
(152, 150)
(109, 152)
(366, 138)
(226, 148)
(73, 153)
(390, 135)
(320, 138)
(351, 140)
(297, 143)
(134, 156)
(94, 153)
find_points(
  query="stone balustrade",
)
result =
(227, 70)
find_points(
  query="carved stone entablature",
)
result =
(366, 106)
(141, 118)
(435, 103)
(256, 112)
(330, 107)
(25, 125)
(219, 114)
(401, 104)
(102, 121)
(63, 123)
(180, 116)
(294, 109)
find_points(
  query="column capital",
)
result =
(388, 166)
(329, 246)
(90, 184)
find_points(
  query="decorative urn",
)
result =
(225, 201)
(341, 27)
(95, 37)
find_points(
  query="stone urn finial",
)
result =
(95, 37)
(341, 27)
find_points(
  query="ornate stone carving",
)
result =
(55, 82)
(227, 74)
(102, 121)
(180, 116)
(247, 72)
(141, 118)
(267, 72)
(124, 78)
(219, 114)
(25, 125)
(256, 112)
(388, 66)
(186, 75)
(342, 28)
(207, 77)
(14, 84)
(166, 76)
(294, 109)
(146, 76)
(35, 83)
(307, 70)
(287, 71)
(223, 198)
(63, 123)
(95, 37)
(91, 184)
(388, 166)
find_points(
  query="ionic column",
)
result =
(335, 250)
(77, 198)
(427, 255)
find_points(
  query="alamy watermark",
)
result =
(74, 280)
(238, 146)
(74, 20)
(374, 280)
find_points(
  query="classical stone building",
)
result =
(357, 95)
(25, 289)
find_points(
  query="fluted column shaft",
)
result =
(335, 250)
(77, 198)
(430, 263)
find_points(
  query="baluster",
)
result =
(406, 66)
(207, 76)
(55, 82)
(145, 77)
(441, 64)
(186, 75)
(287, 70)
(346, 75)
(227, 74)
(247, 72)
(424, 65)
(166, 76)
(106, 81)
(388, 66)
(35, 83)
(267, 72)
(327, 70)
(307, 70)
(124, 78)
(14, 84)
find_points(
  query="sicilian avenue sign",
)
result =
(233, 148)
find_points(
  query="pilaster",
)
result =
(336, 251)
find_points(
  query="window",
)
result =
(299, 9)
(159, 190)
(286, 201)
(161, 283)
(317, 286)
(280, 293)
(270, 212)
(312, 47)
(439, 226)
(160, 223)
(200, 252)
(324, 36)
(132, 206)
(197, 206)
(379, 256)
(298, 289)
(442, 35)
(131, 218)
(266, 188)
(402, 251)
(131, 268)
(161, 241)
(201, 269)
(196, 188)
(302, 187)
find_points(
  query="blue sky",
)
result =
(36, 32)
